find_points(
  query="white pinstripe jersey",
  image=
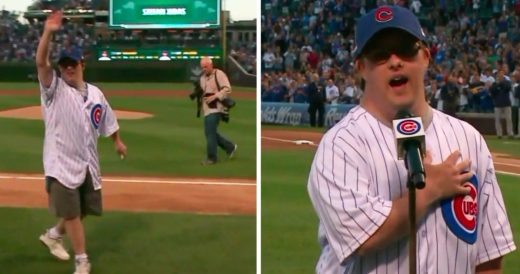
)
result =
(355, 176)
(72, 127)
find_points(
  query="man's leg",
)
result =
(90, 204)
(222, 142)
(210, 130)
(509, 121)
(225, 144)
(53, 237)
(321, 115)
(498, 124)
(67, 204)
(518, 125)
(76, 233)
(58, 230)
(312, 115)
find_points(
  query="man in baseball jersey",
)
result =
(332, 92)
(216, 87)
(358, 186)
(75, 114)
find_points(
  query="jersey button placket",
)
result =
(87, 138)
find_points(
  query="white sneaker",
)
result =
(82, 267)
(55, 246)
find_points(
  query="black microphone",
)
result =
(410, 140)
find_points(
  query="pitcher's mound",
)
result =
(35, 113)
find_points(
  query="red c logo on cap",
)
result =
(384, 14)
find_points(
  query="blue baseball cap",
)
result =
(382, 18)
(73, 53)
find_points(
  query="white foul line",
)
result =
(151, 181)
(276, 139)
(508, 173)
(506, 164)
(298, 142)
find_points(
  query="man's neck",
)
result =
(81, 85)
(78, 85)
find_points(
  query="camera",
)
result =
(197, 91)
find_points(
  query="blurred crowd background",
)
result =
(19, 36)
(474, 45)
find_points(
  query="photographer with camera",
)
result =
(215, 89)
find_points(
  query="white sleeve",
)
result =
(495, 238)
(339, 190)
(47, 94)
(109, 123)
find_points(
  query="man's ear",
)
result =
(359, 66)
(427, 54)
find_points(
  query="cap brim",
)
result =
(68, 58)
(358, 51)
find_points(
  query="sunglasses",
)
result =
(65, 63)
(403, 51)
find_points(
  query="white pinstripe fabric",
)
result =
(355, 175)
(70, 144)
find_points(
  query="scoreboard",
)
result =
(164, 14)
(156, 54)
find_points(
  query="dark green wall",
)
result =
(138, 71)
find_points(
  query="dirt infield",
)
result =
(292, 139)
(205, 196)
(208, 196)
(35, 113)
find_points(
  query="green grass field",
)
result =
(172, 143)
(289, 223)
(121, 86)
(120, 242)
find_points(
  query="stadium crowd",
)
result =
(475, 50)
(245, 55)
(18, 41)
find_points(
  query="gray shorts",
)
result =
(71, 203)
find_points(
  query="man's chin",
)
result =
(69, 81)
(403, 103)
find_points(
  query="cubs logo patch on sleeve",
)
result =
(461, 213)
(95, 115)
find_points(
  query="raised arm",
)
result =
(43, 63)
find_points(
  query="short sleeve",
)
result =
(47, 94)
(495, 238)
(338, 186)
(109, 123)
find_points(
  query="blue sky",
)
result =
(239, 9)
